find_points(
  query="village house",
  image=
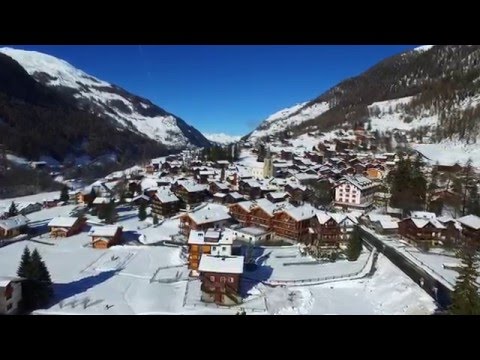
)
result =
(354, 192)
(140, 200)
(209, 216)
(276, 197)
(26, 207)
(100, 202)
(252, 234)
(453, 230)
(470, 228)
(241, 212)
(233, 197)
(13, 226)
(261, 215)
(250, 188)
(211, 241)
(294, 222)
(327, 230)
(165, 203)
(218, 187)
(383, 224)
(10, 295)
(105, 236)
(190, 192)
(220, 276)
(422, 231)
(297, 192)
(63, 226)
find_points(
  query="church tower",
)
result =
(268, 165)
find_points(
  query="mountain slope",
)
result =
(125, 110)
(36, 121)
(431, 86)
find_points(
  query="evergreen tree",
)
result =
(12, 211)
(64, 194)
(142, 212)
(23, 268)
(354, 247)
(155, 219)
(110, 213)
(474, 201)
(467, 184)
(92, 197)
(465, 297)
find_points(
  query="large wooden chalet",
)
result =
(250, 188)
(294, 222)
(165, 203)
(470, 228)
(105, 236)
(210, 216)
(429, 231)
(13, 226)
(190, 192)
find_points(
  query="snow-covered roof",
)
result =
(236, 195)
(207, 172)
(250, 230)
(5, 280)
(219, 194)
(104, 231)
(101, 200)
(323, 217)
(423, 215)
(472, 221)
(210, 237)
(379, 217)
(208, 214)
(62, 221)
(301, 213)
(138, 197)
(14, 222)
(191, 186)
(166, 196)
(420, 223)
(388, 224)
(278, 195)
(221, 264)
(221, 186)
(247, 205)
(270, 207)
(361, 182)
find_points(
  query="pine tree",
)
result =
(42, 282)
(92, 197)
(155, 219)
(354, 247)
(23, 268)
(142, 212)
(12, 211)
(64, 194)
(110, 213)
(467, 183)
(465, 297)
(474, 201)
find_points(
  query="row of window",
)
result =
(223, 279)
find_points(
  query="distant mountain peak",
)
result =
(127, 110)
(222, 138)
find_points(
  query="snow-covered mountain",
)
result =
(221, 138)
(433, 88)
(127, 110)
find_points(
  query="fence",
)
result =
(314, 281)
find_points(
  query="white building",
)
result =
(354, 192)
(220, 242)
(252, 234)
(10, 295)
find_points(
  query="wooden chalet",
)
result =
(470, 228)
(250, 188)
(202, 219)
(220, 277)
(10, 295)
(140, 200)
(297, 193)
(326, 229)
(241, 212)
(276, 197)
(218, 187)
(190, 192)
(165, 203)
(233, 197)
(13, 226)
(63, 226)
(294, 223)
(429, 231)
(105, 236)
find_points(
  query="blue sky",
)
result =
(221, 88)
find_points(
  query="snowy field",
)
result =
(450, 152)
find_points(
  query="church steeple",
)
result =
(267, 164)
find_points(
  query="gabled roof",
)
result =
(62, 221)
(423, 215)
(166, 196)
(301, 213)
(471, 221)
(14, 222)
(208, 214)
(104, 231)
(221, 264)
(420, 223)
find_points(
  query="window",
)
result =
(222, 279)
(214, 248)
(224, 248)
(230, 280)
(9, 306)
(212, 278)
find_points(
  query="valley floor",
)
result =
(141, 279)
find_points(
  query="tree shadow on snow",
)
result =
(130, 237)
(68, 290)
(256, 272)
